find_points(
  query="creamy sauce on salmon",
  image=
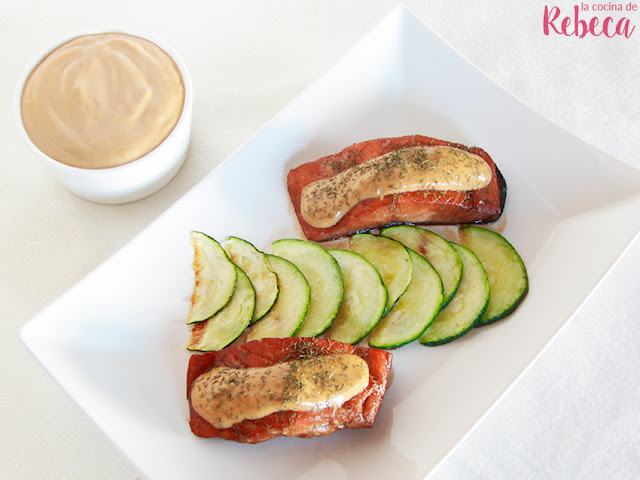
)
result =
(225, 396)
(441, 168)
(102, 100)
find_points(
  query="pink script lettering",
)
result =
(579, 27)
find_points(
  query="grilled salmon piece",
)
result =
(358, 412)
(426, 207)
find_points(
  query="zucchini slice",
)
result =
(390, 258)
(255, 265)
(364, 300)
(508, 281)
(325, 281)
(215, 278)
(228, 324)
(414, 311)
(467, 306)
(441, 255)
(287, 314)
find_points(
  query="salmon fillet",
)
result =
(425, 207)
(358, 412)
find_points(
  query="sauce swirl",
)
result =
(225, 396)
(102, 100)
(324, 202)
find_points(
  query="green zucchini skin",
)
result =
(466, 308)
(508, 278)
(364, 301)
(325, 281)
(441, 255)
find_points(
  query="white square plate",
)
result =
(116, 340)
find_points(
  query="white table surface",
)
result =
(573, 414)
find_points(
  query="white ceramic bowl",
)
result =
(134, 180)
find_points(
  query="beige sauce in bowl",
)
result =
(102, 100)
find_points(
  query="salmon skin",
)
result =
(358, 412)
(426, 207)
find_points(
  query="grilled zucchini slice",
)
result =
(441, 255)
(325, 281)
(414, 311)
(228, 324)
(390, 258)
(467, 306)
(287, 314)
(508, 281)
(215, 275)
(254, 264)
(364, 300)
